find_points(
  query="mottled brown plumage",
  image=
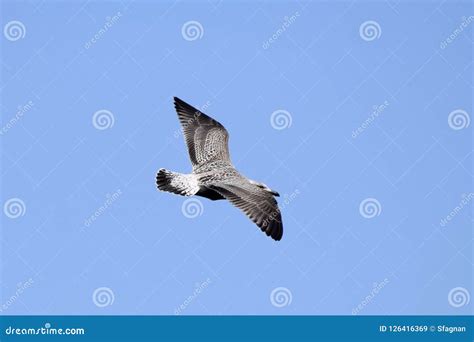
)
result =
(214, 176)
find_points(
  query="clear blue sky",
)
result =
(367, 188)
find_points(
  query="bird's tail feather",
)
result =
(177, 183)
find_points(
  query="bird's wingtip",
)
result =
(179, 103)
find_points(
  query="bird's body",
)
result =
(214, 176)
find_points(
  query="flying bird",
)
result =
(214, 176)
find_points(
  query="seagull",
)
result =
(214, 176)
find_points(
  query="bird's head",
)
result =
(265, 187)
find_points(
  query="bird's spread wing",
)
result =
(207, 139)
(259, 205)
